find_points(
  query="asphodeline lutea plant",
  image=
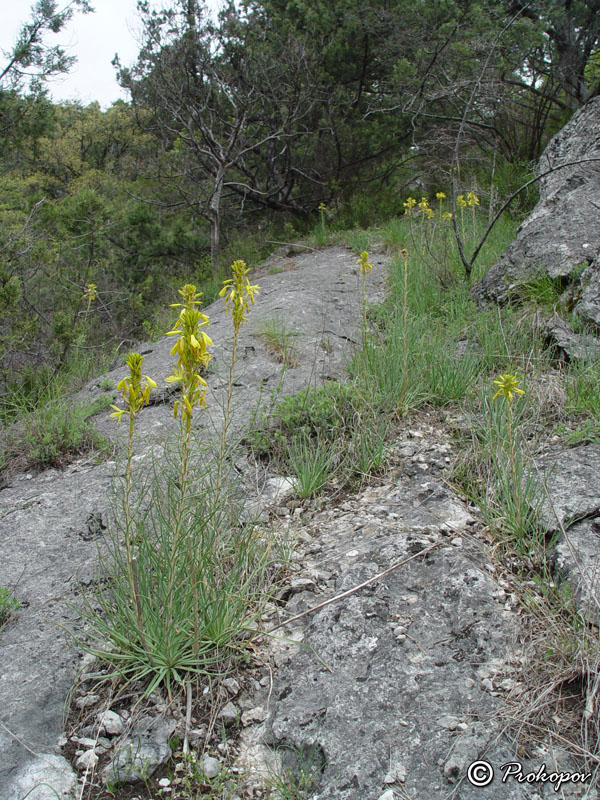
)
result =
(365, 268)
(425, 209)
(473, 202)
(192, 357)
(400, 408)
(508, 387)
(191, 352)
(462, 204)
(90, 294)
(440, 197)
(135, 392)
(238, 294)
(409, 204)
(322, 211)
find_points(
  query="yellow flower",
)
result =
(440, 196)
(90, 292)
(191, 298)
(507, 387)
(191, 352)
(238, 293)
(447, 215)
(134, 388)
(409, 205)
(322, 207)
(460, 201)
(365, 264)
(472, 199)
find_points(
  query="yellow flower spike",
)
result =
(447, 215)
(134, 388)
(238, 293)
(322, 207)
(190, 349)
(440, 196)
(90, 293)
(409, 205)
(507, 387)
(472, 199)
(460, 201)
(365, 264)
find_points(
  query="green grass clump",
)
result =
(8, 606)
(280, 340)
(52, 435)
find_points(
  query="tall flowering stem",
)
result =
(238, 294)
(508, 387)
(135, 392)
(473, 202)
(192, 357)
(365, 268)
(404, 257)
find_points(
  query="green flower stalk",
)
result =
(238, 293)
(322, 211)
(473, 202)
(404, 257)
(192, 357)
(462, 204)
(90, 295)
(135, 391)
(365, 268)
(409, 204)
(440, 197)
(508, 387)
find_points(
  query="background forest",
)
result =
(237, 130)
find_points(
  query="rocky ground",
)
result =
(389, 692)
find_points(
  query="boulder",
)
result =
(561, 237)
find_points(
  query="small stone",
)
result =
(232, 686)
(87, 760)
(257, 714)
(85, 741)
(87, 700)
(164, 782)
(389, 795)
(469, 683)
(457, 541)
(229, 714)
(389, 778)
(211, 767)
(111, 722)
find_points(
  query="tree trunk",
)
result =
(215, 221)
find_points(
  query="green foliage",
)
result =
(312, 462)
(8, 606)
(52, 435)
(279, 339)
(543, 290)
(583, 387)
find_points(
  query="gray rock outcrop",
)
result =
(394, 691)
(562, 234)
(51, 523)
(571, 510)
